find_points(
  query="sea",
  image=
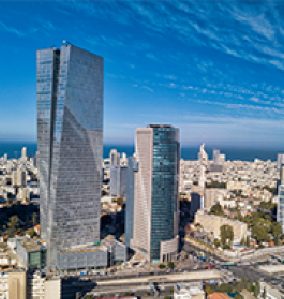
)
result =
(13, 150)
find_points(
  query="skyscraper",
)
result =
(114, 158)
(24, 154)
(202, 154)
(70, 141)
(155, 232)
(127, 190)
(280, 208)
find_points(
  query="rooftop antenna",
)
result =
(65, 42)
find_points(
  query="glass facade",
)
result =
(280, 209)
(156, 211)
(127, 183)
(70, 140)
(165, 174)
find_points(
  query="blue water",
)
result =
(13, 149)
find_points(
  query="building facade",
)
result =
(280, 208)
(70, 143)
(156, 212)
(127, 189)
(212, 224)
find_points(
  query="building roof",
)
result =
(217, 295)
(31, 245)
(159, 126)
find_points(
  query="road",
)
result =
(170, 278)
(249, 272)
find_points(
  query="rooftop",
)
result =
(218, 295)
(159, 126)
(31, 245)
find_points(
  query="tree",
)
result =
(31, 232)
(276, 232)
(217, 243)
(34, 218)
(216, 210)
(209, 289)
(255, 289)
(171, 265)
(13, 224)
(260, 229)
(227, 235)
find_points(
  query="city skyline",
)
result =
(221, 85)
(103, 192)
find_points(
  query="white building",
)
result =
(269, 292)
(189, 291)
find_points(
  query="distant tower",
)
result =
(24, 154)
(202, 176)
(202, 154)
(70, 144)
(127, 191)
(114, 157)
(218, 161)
(280, 160)
(156, 212)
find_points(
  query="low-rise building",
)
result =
(31, 253)
(41, 287)
(267, 291)
(189, 291)
(218, 295)
(212, 226)
(13, 284)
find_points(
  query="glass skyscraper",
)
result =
(280, 208)
(70, 143)
(156, 211)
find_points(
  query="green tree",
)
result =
(171, 265)
(217, 243)
(276, 232)
(260, 229)
(216, 210)
(34, 218)
(227, 235)
(255, 289)
(209, 289)
(31, 232)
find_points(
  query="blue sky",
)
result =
(215, 69)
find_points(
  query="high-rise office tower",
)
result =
(24, 154)
(127, 191)
(217, 164)
(70, 143)
(156, 212)
(280, 160)
(202, 154)
(114, 161)
(218, 157)
(114, 157)
(280, 208)
(202, 176)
